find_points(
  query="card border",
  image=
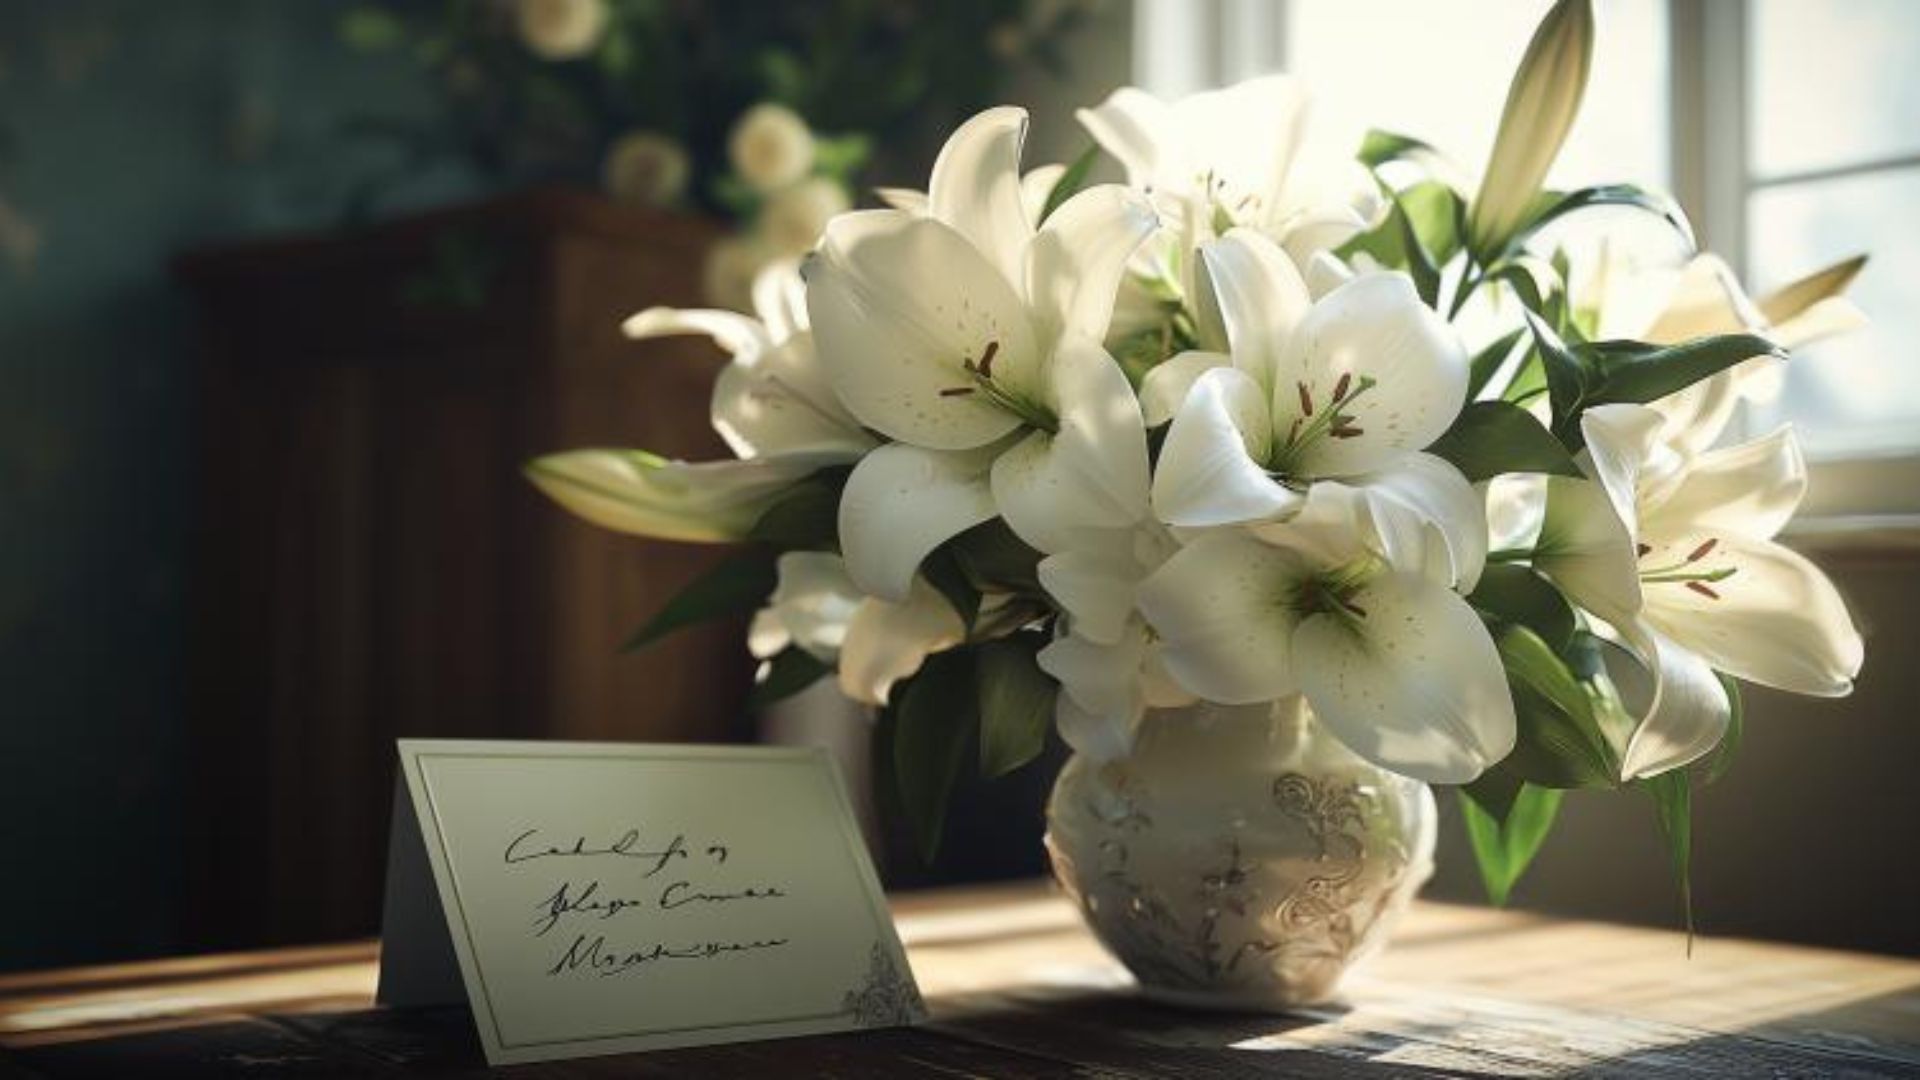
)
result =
(413, 751)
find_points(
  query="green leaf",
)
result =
(1487, 362)
(792, 670)
(737, 585)
(1421, 233)
(938, 715)
(1672, 794)
(1016, 703)
(1559, 743)
(1553, 205)
(996, 560)
(1519, 595)
(1380, 147)
(806, 516)
(1070, 182)
(1634, 372)
(1729, 747)
(942, 571)
(371, 29)
(1506, 825)
(1566, 379)
(1540, 285)
(839, 156)
(1419, 262)
(1494, 437)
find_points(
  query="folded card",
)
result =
(607, 898)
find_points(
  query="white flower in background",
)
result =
(1716, 592)
(1350, 388)
(817, 608)
(1704, 298)
(771, 147)
(973, 339)
(1396, 664)
(795, 216)
(1104, 656)
(1241, 156)
(732, 264)
(774, 397)
(560, 29)
(646, 167)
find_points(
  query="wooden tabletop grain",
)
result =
(1019, 989)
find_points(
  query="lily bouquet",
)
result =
(1266, 420)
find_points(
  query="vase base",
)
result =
(1226, 1001)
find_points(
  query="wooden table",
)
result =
(1019, 989)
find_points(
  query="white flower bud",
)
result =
(561, 29)
(771, 147)
(646, 167)
(1541, 106)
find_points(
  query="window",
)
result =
(1789, 128)
(1832, 169)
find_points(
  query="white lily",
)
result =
(972, 339)
(1035, 187)
(774, 397)
(1242, 155)
(1695, 533)
(1105, 657)
(1704, 298)
(1207, 174)
(1397, 665)
(817, 608)
(1350, 388)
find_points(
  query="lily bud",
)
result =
(634, 492)
(1541, 105)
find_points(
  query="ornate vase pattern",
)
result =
(1239, 857)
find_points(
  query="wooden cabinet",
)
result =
(369, 562)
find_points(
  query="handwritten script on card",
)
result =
(608, 898)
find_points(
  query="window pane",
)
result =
(1860, 391)
(1833, 83)
(1439, 70)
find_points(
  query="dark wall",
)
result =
(133, 130)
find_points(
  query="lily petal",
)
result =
(1776, 620)
(1414, 685)
(1102, 679)
(1092, 472)
(1585, 548)
(1689, 713)
(1209, 472)
(1752, 488)
(1095, 587)
(732, 331)
(1128, 125)
(1429, 518)
(814, 601)
(899, 504)
(1099, 737)
(1076, 260)
(899, 304)
(1624, 453)
(1261, 297)
(975, 187)
(634, 492)
(886, 642)
(782, 403)
(1376, 327)
(1218, 606)
(1165, 386)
